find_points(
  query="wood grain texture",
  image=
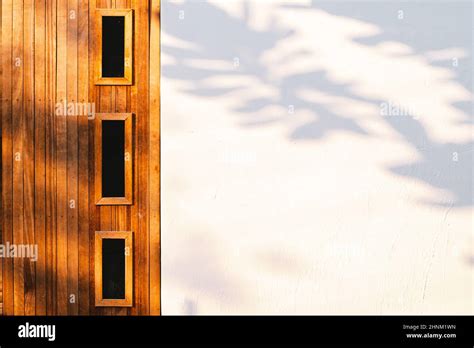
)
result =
(142, 95)
(94, 210)
(40, 154)
(48, 159)
(19, 134)
(155, 214)
(61, 156)
(29, 154)
(7, 152)
(134, 207)
(51, 160)
(83, 159)
(72, 160)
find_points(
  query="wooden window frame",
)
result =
(128, 300)
(128, 148)
(127, 79)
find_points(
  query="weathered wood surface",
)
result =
(47, 176)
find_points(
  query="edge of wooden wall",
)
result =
(154, 200)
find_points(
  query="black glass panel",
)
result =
(113, 46)
(113, 161)
(113, 268)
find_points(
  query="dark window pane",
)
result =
(113, 268)
(113, 46)
(113, 161)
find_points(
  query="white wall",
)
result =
(290, 183)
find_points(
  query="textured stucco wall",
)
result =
(317, 157)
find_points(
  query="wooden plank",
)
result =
(94, 212)
(134, 208)
(72, 160)
(51, 167)
(122, 4)
(18, 148)
(29, 154)
(104, 4)
(142, 84)
(154, 187)
(61, 155)
(7, 152)
(83, 160)
(40, 154)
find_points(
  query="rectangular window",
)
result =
(113, 55)
(113, 48)
(113, 159)
(113, 166)
(113, 269)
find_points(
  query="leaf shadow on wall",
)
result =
(426, 30)
(222, 37)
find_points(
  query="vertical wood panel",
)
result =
(154, 190)
(72, 158)
(50, 139)
(83, 160)
(7, 153)
(142, 85)
(29, 154)
(40, 154)
(18, 147)
(94, 212)
(134, 208)
(61, 154)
